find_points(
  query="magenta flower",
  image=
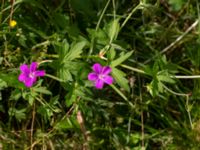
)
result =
(29, 75)
(100, 75)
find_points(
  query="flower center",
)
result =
(101, 76)
(31, 75)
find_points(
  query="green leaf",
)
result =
(67, 123)
(64, 73)
(3, 84)
(75, 50)
(121, 59)
(148, 70)
(19, 114)
(11, 79)
(113, 29)
(153, 88)
(111, 54)
(99, 35)
(71, 97)
(160, 87)
(165, 77)
(62, 49)
(120, 79)
(176, 5)
(42, 90)
(15, 95)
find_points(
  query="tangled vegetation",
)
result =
(99, 74)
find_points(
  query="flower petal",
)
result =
(22, 77)
(30, 82)
(99, 84)
(92, 76)
(24, 68)
(97, 68)
(108, 79)
(33, 66)
(106, 70)
(40, 73)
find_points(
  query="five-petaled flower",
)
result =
(100, 75)
(29, 74)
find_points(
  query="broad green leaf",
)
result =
(100, 36)
(121, 59)
(11, 79)
(64, 74)
(165, 77)
(75, 50)
(120, 79)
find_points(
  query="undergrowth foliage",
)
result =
(99, 74)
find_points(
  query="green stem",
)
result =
(175, 76)
(122, 95)
(8, 8)
(186, 77)
(175, 93)
(97, 27)
(188, 111)
(130, 14)
(45, 61)
(54, 77)
(45, 43)
(133, 69)
(103, 12)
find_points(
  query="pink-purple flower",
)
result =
(100, 75)
(29, 74)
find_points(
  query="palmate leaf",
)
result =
(75, 51)
(165, 76)
(156, 85)
(11, 79)
(100, 36)
(66, 63)
(64, 73)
